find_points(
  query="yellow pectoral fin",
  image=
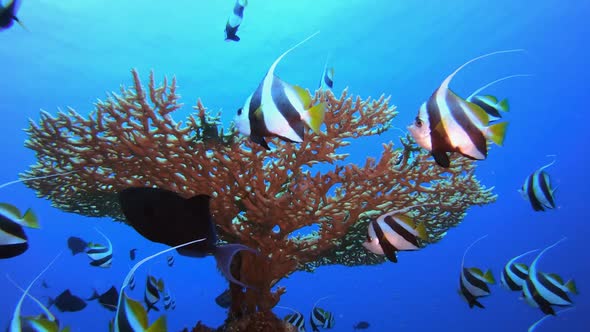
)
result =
(303, 95)
(158, 326)
(316, 117)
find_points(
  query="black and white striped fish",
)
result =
(100, 255)
(13, 240)
(327, 80)
(542, 290)
(321, 318)
(168, 300)
(131, 315)
(392, 232)
(279, 109)
(491, 104)
(449, 123)
(153, 288)
(296, 319)
(537, 190)
(514, 274)
(234, 20)
(473, 282)
(170, 260)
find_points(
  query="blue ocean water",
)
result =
(76, 51)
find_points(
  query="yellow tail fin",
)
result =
(316, 117)
(497, 132)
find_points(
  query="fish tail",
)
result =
(30, 220)
(571, 286)
(159, 325)
(316, 117)
(489, 277)
(421, 230)
(497, 132)
(503, 105)
(94, 296)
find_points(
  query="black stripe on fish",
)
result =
(551, 287)
(510, 282)
(459, 110)
(296, 320)
(12, 230)
(543, 304)
(438, 136)
(401, 231)
(104, 261)
(485, 105)
(518, 272)
(474, 281)
(544, 186)
(287, 110)
(318, 318)
(471, 300)
(532, 194)
(388, 249)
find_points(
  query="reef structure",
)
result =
(259, 198)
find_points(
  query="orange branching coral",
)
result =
(259, 197)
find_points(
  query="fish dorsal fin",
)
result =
(404, 219)
(48, 313)
(321, 299)
(477, 271)
(551, 163)
(522, 255)
(108, 241)
(35, 178)
(15, 323)
(304, 96)
(271, 70)
(131, 272)
(476, 92)
(447, 81)
(557, 278)
(522, 267)
(533, 267)
(468, 248)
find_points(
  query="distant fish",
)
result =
(131, 284)
(533, 327)
(44, 284)
(327, 80)
(170, 260)
(67, 302)
(321, 318)
(224, 299)
(165, 217)
(8, 14)
(362, 325)
(234, 20)
(131, 315)
(448, 123)
(168, 300)
(538, 191)
(13, 240)
(153, 288)
(16, 321)
(132, 254)
(393, 232)
(514, 274)
(77, 245)
(108, 299)
(542, 290)
(491, 104)
(100, 255)
(279, 109)
(296, 319)
(473, 282)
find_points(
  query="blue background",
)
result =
(77, 51)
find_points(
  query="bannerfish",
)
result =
(77, 245)
(108, 299)
(538, 191)
(297, 320)
(16, 321)
(542, 290)
(234, 20)
(224, 299)
(514, 274)
(67, 302)
(448, 123)
(362, 325)
(170, 260)
(100, 255)
(13, 240)
(132, 254)
(8, 14)
(153, 288)
(393, 232)
(168, 300)
(321, 318)
(131, 316)
(165, 217)
(533, 327)
(327, 80)
(473, 282)
(490, 104)
(279, 109)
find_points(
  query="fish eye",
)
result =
(418, 122)
(240, 111)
